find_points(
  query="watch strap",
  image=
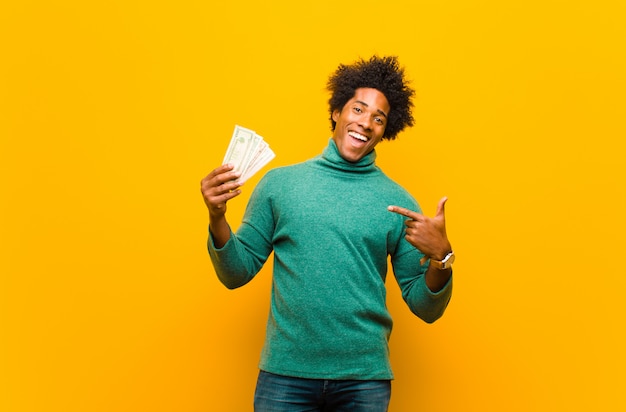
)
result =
(445, 263)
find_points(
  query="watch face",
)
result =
(448, 260)
(445, 263)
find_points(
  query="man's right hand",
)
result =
(218, 187)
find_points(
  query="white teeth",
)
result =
(358, 136)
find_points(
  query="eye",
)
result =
(357, 109)
(379, 120)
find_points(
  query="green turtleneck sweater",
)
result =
(327, 222)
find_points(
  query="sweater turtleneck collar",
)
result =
(332, 158)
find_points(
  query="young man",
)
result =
(332, 222)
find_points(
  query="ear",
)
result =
(335, 115)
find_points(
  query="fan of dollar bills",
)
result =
(248, 152)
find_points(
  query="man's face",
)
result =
(360, 124)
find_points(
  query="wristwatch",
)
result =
(445, 263)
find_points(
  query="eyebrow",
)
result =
(367, 105)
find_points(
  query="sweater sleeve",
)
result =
(243, 256)
(410, 274)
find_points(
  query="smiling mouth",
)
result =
(358, 136)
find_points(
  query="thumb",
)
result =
(441, 207)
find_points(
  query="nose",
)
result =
(365, 121)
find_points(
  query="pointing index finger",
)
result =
(404, 212)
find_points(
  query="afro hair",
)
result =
(383, 74)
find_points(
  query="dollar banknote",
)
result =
(248, 152)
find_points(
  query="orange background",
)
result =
(111, 113)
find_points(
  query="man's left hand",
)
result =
(428, 234)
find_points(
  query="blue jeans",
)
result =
(276, 393)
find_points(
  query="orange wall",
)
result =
(111, 113)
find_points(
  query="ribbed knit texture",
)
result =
(327, 222)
